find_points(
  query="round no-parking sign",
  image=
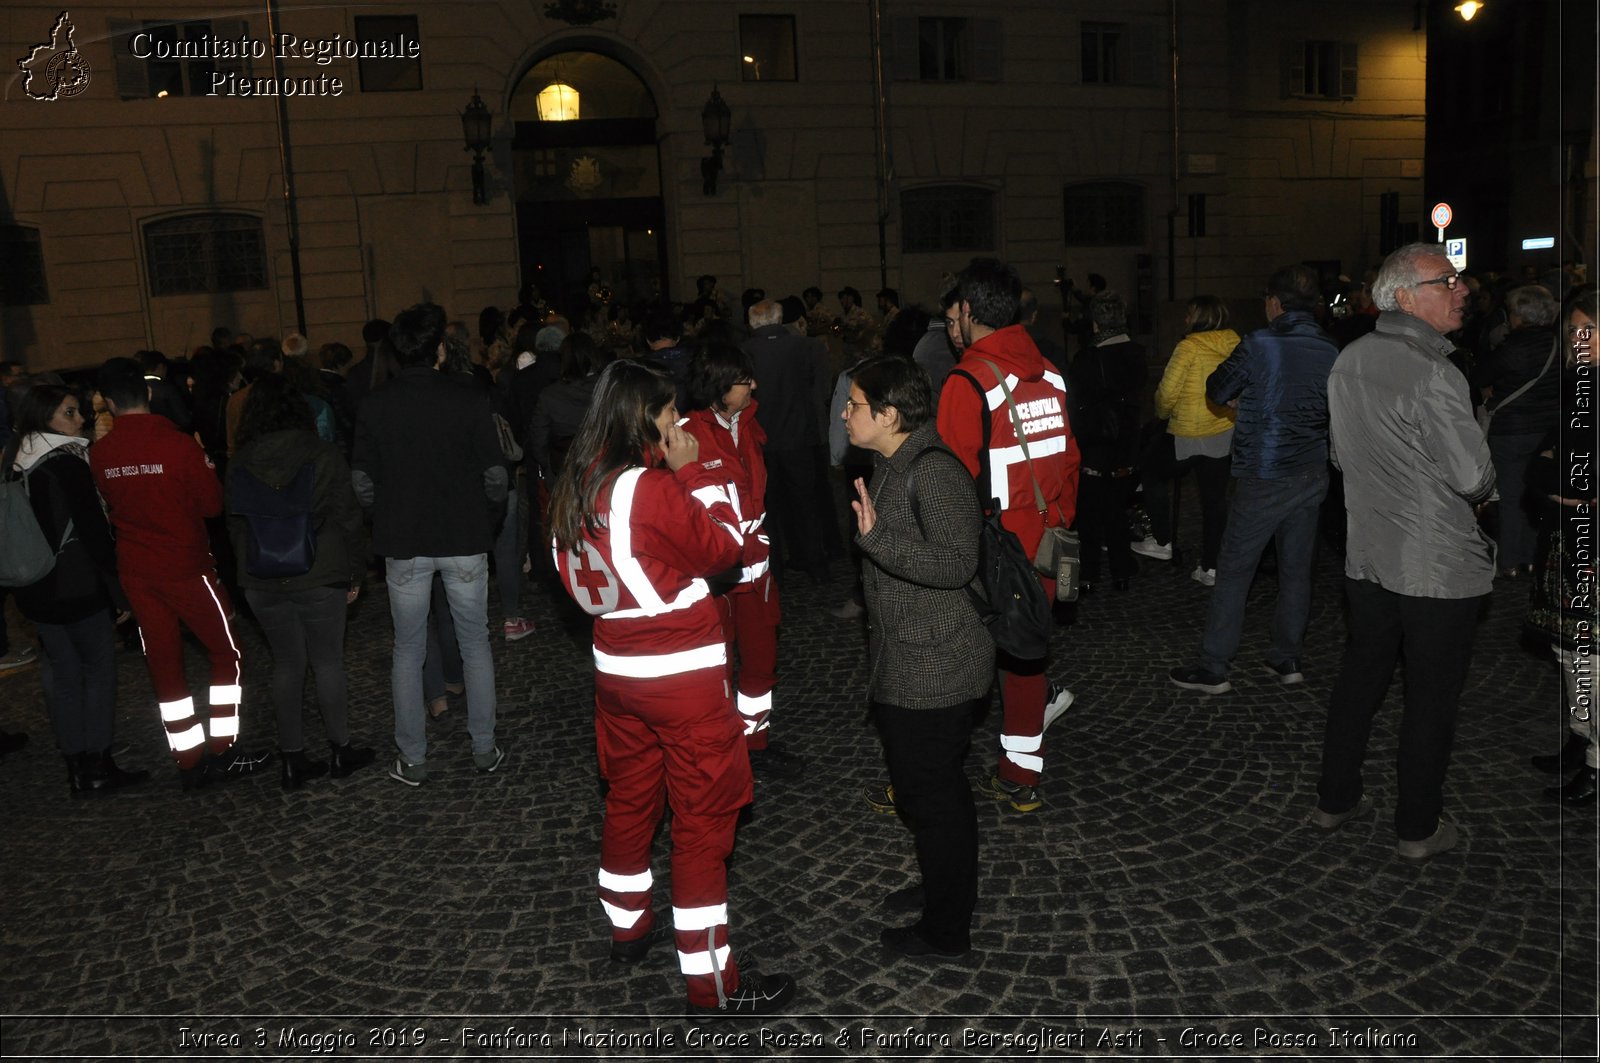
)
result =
(1440, 216)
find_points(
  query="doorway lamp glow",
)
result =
(477, 125)
(714, 119)
(1467, 8)
(557, 102)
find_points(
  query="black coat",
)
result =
(1518, 359)
(84, 580)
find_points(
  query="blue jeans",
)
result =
(1285, 509)
(466, 585)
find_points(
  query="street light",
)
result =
(477, 124)
(1467, 8)
(557, 102)
(714, 119)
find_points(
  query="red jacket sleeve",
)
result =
(960, 421)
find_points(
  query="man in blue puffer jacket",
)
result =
(1277, 378)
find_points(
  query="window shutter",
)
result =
(1140, 54)
(987, 37)
(904, 49)
(232, 29)
(1294, 68)
(1347, 70)
(133, 76)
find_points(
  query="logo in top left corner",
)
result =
(55, 70)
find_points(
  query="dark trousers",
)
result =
(792, 518)
(79, 674)
(925, 750)
(1435, 635)
(1212, 475)
(1103, 522)
(305, 627)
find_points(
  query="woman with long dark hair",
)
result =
(75, 608)
(634, 542)
(303, 615)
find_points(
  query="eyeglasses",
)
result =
(850, 406)
(1451, 281)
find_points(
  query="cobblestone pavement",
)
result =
(1168, 899)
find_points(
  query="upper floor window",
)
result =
(766, 48)
(1321, 69)
(217, 252)
(1116, 53)
(946, 49)
(21, 267)
(947, 218)
(1104, 213)
(397, 33)
(178, 58)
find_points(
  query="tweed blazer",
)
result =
(928, 648)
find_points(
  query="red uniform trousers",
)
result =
(750, 620)
(199, 603)
(673, 738)
(1022, 693)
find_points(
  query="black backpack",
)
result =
(280, 534)
(1006, 591)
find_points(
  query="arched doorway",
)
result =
(588, 181)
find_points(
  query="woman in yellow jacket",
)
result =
(1199, 436)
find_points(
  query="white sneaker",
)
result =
(849, 610)
(1148, 547)
(1057, 701)
(1204, 576)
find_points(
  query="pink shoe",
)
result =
(518, 628)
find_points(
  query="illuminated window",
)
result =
(146, 55)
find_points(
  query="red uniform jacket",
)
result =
(159, 488)
(742, 468)
(640, 575)
(979, 430)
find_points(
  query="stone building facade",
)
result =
(142, 191)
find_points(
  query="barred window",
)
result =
(947, 218)
(1104, 214)
(205, 253)
(21, 267)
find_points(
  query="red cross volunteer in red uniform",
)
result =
(633, 543)
(975, 422)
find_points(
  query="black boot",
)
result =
(1580, 790)
(116, 777)
(86, 775)
(346, 759)
(297, 770)
(1571, 756)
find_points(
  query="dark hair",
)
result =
(489, 321)
(890, 294)
(891, 380)
(951, 297)
(415, 336)
(1296, 287)
(153, 361)
(38, 404)
(1107, 310)
(374, 331)
(273, 405)
(334, 356)
(813, 290)
(851, 292)
(704, 283)
(1097, 282)
(715, 366)
(1027, 304)
(221, 336)
(580, 356)
(457, 349)
(212, 371)
(751, 296)
(262, 357)
(793, 308)
(1210, 313)
(303, 375)
(662, 325)
(618, 432)
(905, 331)
(992, 290)
(121, 382)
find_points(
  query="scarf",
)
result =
(36, 446)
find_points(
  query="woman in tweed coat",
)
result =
(931, 657)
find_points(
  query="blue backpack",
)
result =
(280, 535)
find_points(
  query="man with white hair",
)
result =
(1417, 566)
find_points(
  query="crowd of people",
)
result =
(672, 469)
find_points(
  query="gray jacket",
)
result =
(1415, 462)
(929, 650)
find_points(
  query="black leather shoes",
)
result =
(636, 950)
(298, 769)
(1571, 756)
(1581, 790)
(115, 776)
(347, 759)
